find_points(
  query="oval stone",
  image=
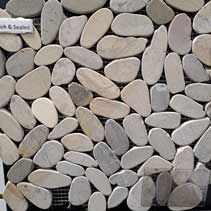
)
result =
(194, 69)
(63, 72)
(49, 154)
(80, 159)
(190, 131)
(23, 8)
(135, 129)
(40, 197)
(71, 29)
(48, 55)
(100, 21)
(201, 48)
(99, 180)
(20, 170)
(84, 57)
(152, 68)
(80, 191)
(124, 178)
(163, 188)
(116, 137)
(21, 62)
(34, 84)
(8, 150)
(187, 6)
(10, 126)
(118, 195)
(22, 112)
(159, 94)
(159, 12)
(54, 179)
(126, 24)
(2, 63)
(166, 120)
(192, 193)
(199, 92)
(166, 147)
(208, 109)
(97, 201)
(183, 165)
(62, 100)
(109, 108)
(202, 147)
(119, 6)
(77, 142)
(7, 89)
(80, 95)
(141, 195)
(136, 156)
(179, 40)
(45, 111)
(98, 83)
(201, 21)
(70, 169)
(33, 40)
(13, 197)
(51, 19)
(33, 141)
(154, 165)
(137, 89)
(81, 6)
(107, 160)
(90, 124)
(122, 70)
(114, 47)
(186, 106)
(67, 125)
(174, 73)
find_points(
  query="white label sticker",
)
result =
(16, 25)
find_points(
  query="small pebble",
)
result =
(97, 201)
(2, 63)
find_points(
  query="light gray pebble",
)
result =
(97, 201)
(33, 141)
(7, 89)
(194, 69)
(20, 170)
(135, 129)
(51, 19)
(116, 137)
(22, 112)
(21, 62)
(159, 94)
(136, 156)
(2, 63)
(165, 120)
(70, 169)
(208, 109)
(118, 195)
(71, 29)
(186, 106)
(65, 126)
(63, 72)
(80, 95)
(107, 160)
(124, 178)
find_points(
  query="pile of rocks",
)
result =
(82, 104)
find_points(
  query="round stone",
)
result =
(21, 62)
(49, 154)
(122, 70)
(34, 84)
(180, 40)
(71, 29)
(100, 21)
(97, 201)
(127, 24)
(22, 112)
(63, 72)
(45, 111)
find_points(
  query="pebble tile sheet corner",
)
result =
(110, 99)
